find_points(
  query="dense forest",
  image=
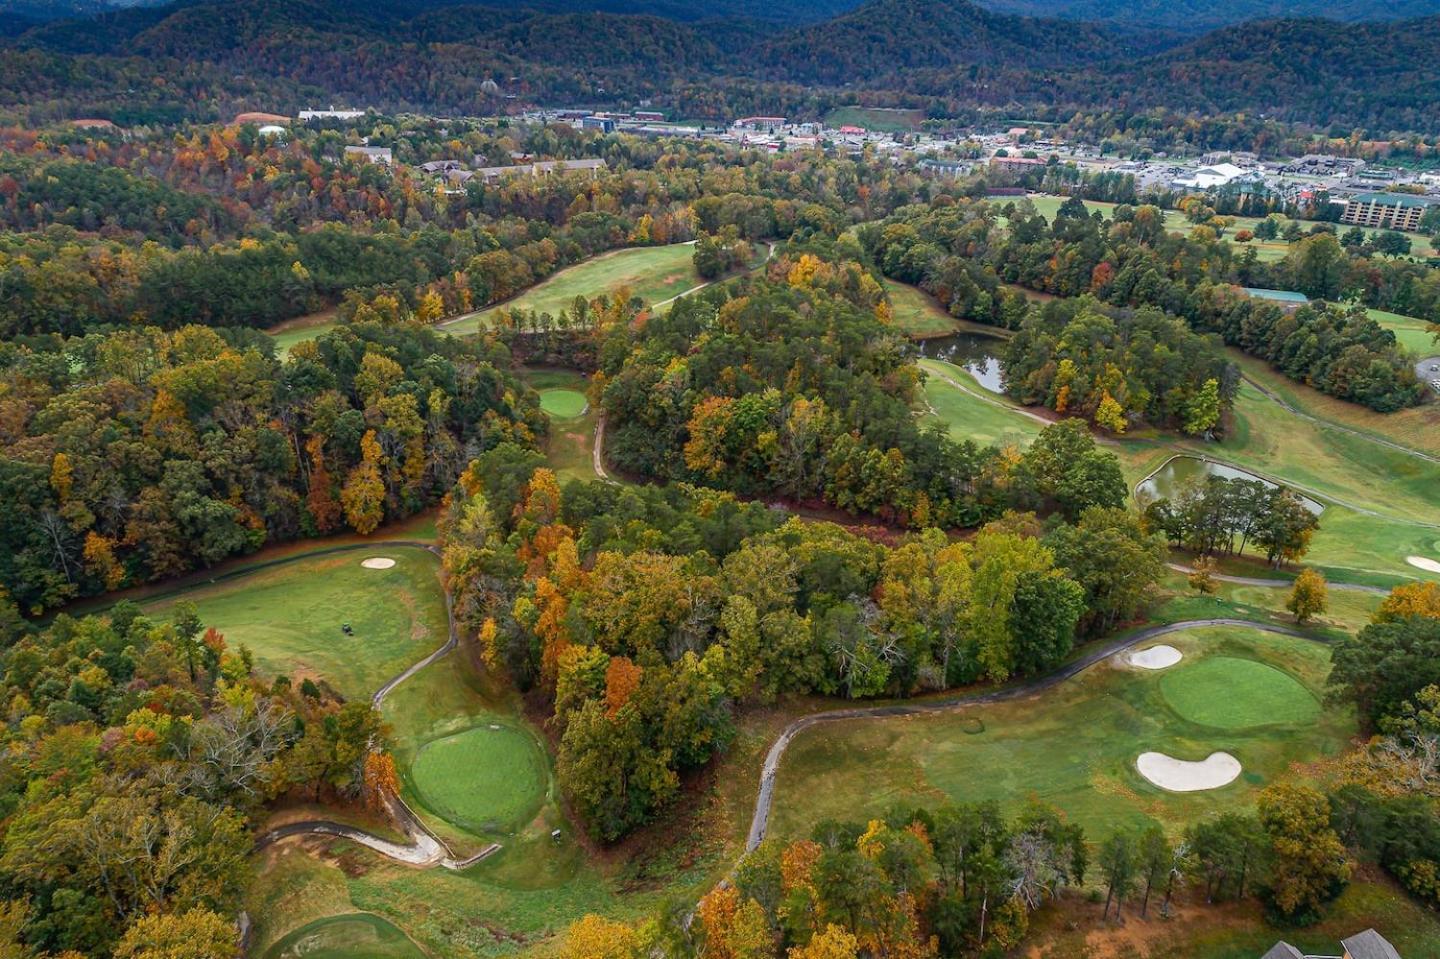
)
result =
(958, 251)
(211, 60)
(141, 454)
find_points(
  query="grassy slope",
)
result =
(290, 616)
(571, 440)
(1077, 752)
(653, 273)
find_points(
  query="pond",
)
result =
(978, 354)
(1181, 471)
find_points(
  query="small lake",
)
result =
(1181, 471)
(978, 354)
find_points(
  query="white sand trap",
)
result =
(378, 562)
(1420, 562)
(1156, 657)
(1180, 776)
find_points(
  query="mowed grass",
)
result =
(562, 403)
(1074, 746)
(356, 936)
(290, 616)
(1230, 693)
(974, 415)
(653, 273)
(486, 778)
(300, 329)
(1411, 333)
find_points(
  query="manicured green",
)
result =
(289, 616)
(486, 778)
(1411, 333)
(356, 936)
(562, 403)
(1074, 746)
(1230, 693)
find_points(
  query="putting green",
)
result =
(357, 936)
(488, 778)
(566, 404)
(1229, 693)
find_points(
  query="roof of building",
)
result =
(1369, 945)
(1395, 199)
(1283, 950)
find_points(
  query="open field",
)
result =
(1075, 746)
(881, 119)
(290, 615)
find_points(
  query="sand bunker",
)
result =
(378, 562)
(1156, 657)
(1180, 776)
(1420, 562)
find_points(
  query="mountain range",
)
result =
(204, 58)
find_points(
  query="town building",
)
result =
(1396, 211)
(331, 114)
(1218, 175)
(1363, 945)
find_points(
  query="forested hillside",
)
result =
(212, 60)
(1200, 15)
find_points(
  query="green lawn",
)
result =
(290, 615)
(1075, 746)
(489, 777)
(1230, 693)
(653, 273)
(356, 936)
(300, 329)
(916, 313)
(562, 403)
(1410, 332)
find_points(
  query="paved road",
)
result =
(760, 819)
(423, 847)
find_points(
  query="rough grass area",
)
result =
(300, 329)
(1230, 693)
(489, 777)
(1074, 746)
(917, 313)
(562, 403)
(357, 936)
(290, 616)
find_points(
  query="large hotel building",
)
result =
(1395, 211)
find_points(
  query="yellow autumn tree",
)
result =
(1411, 599)
(1110, 414)
(363, 495)
(595, 937)
(62, 477)
(100, 561)
(833, 943)
(432, 307)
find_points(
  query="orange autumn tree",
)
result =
(734, 927)
(381, 780)
(622, 678)
(320, 500)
